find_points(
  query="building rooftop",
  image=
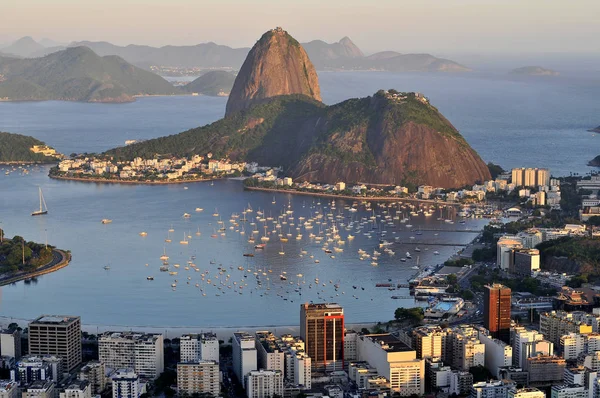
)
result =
(243, 336)
(388, 342)
(55, 319)
(6, 385)
(135, 336)
(40, 385)
(78, 385)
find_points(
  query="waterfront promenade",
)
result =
(60, 259)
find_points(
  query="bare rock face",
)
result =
(276, 65)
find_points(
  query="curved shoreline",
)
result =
(348, 197)
(65, 259)
(118, 181)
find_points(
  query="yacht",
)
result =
(43, 208)
(106, 221)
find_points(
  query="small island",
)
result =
(595, 130)
(534, 71)
(22, 149)
(22, 260)
(216, 83)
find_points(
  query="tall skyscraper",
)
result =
(496, 311)
(58, 335)
(322, 329)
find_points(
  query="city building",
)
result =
(464, 349)
(10, 343)
(245, 357)
(521, 336)
(39, 389)
(429, 341)
(555, 324)
(95, 373)
(350, 344)
(395, 361)
(575, 375)
(142, 352)
(196, 347)
(57, 335)
(47, 367)
(491, 389)
(264, 383)
(572, 345)
(546, 369)
(200, 377)
(498, 354)
(530, 177)
(322, 329)
(270, 356)
(505, 247)
(519, 376)
(525, 393)
(9, 389)
(525, 261)
(496, 311)
(569, 391)
(125, 384)
(77, 389)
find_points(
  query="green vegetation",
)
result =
(412, 315)
(16, 148)
(458, 262)
(495, 170)
(78, 74)
(212, 83)
(526, 284)
(583, 251)
(12, 252)
(480, 373)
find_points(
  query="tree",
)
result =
(594, 220)
(467, 294)
(480, 373)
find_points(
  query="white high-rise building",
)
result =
(264, 383)
(522, 336)
(467, 350)
(10, 344)
(77, 389)
(569, 391)
(270, 356)
(245, 357)
(142, 352)
(125, 384)
(198, 377)
(395, 361)
(196, 347)
(497, 352)
(573, 344)
(525, 393)
(491, 389)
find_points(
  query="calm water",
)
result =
(532, 122)
(123, 296)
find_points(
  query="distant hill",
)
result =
(276, 118)
(17, 148)
(23, 47)
(533, 71)
(78, 74)
(215, 83)
(205, 55)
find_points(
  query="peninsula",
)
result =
(21, 260)
(275, 117)
(534, 71)
(20, 149)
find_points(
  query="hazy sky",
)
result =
(407, 26)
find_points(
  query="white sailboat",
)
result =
(43, 208)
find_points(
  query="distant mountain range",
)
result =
(343, 55)
(77, 74)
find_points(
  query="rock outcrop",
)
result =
(276, 65)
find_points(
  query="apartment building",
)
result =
(142, 352)
(58, 335)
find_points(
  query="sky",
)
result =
(438, 26)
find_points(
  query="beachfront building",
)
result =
(270, 356)
(10, 343)
(245, 357)
(142, 352)
(58, 335)
(196, 347)
(322, 330)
